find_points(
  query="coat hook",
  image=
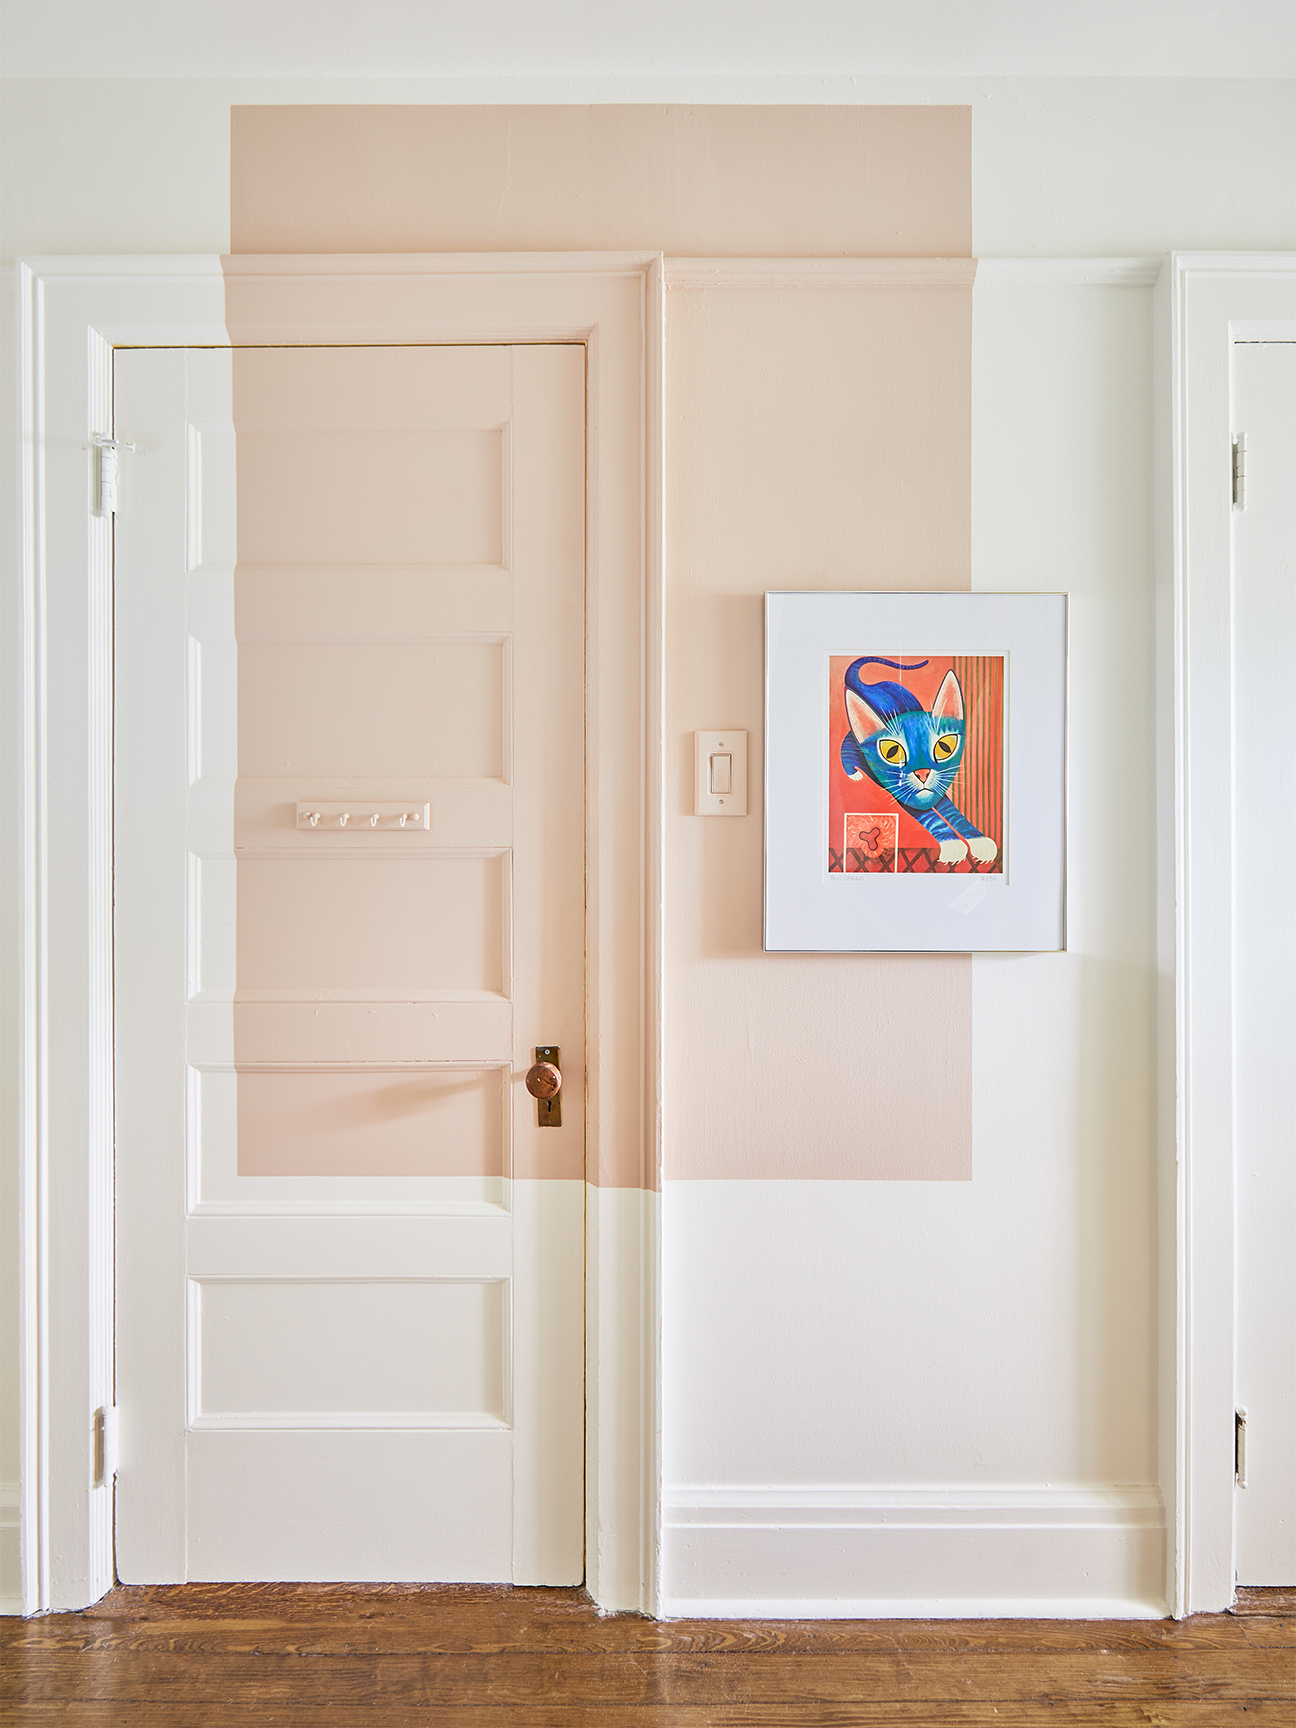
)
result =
(378, 819)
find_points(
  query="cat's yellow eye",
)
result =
(893, 751)
(945, 746)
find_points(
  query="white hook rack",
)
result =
(375, 817)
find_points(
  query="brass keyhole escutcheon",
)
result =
(544, 1083)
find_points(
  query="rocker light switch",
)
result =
(720, 765)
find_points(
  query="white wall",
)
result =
(1032, 1398)
(1077, 165)
(588, 44)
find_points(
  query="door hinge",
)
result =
(105, 1445)
(1239, 471)
(106, 449)
(1239, 1446)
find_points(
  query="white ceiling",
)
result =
(600, 39)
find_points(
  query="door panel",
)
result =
(350, 1268)
(432, 708)
(320, 1504)
(341, 923)
(430, 497)
(327, 1121)
(296, 1347)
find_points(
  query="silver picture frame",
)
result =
(885, 895)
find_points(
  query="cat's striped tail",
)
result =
(895, 665)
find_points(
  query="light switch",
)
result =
(720, 769)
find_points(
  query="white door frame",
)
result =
(73, 312)
(1204, 301)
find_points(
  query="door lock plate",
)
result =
(549, 1110)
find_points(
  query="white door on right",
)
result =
(1264, 767)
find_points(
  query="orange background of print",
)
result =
(978, 786)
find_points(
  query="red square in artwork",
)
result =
(870, 841)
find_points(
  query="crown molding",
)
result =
(695, 273)
(1070, 272)
(685, 273)
(820, 272)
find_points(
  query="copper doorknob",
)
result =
(543, 1080)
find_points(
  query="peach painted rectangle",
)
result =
(324, 1122)
(370, 495)
(383, 923)
(695, 179)
(331, 709)
(804, 459)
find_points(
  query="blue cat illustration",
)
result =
(913, 753)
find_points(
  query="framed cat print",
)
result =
(915, 772)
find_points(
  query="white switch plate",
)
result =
(705, 746)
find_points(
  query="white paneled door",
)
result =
(349, 907)
(1264, 931)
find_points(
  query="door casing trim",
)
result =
(73, 313)
(1201, 302)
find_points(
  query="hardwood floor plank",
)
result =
(421, 1681)
(215, 1714)
(220, 1643)
(431, 1635)
(1268, 1601)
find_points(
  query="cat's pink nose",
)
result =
(921, 774)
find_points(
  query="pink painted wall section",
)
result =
(376, 621)
(820, 438)
(816, 438)
(693, 181)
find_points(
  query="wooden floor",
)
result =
(257, 1655)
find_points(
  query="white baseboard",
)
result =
(905, 1553)
(10, 1561)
